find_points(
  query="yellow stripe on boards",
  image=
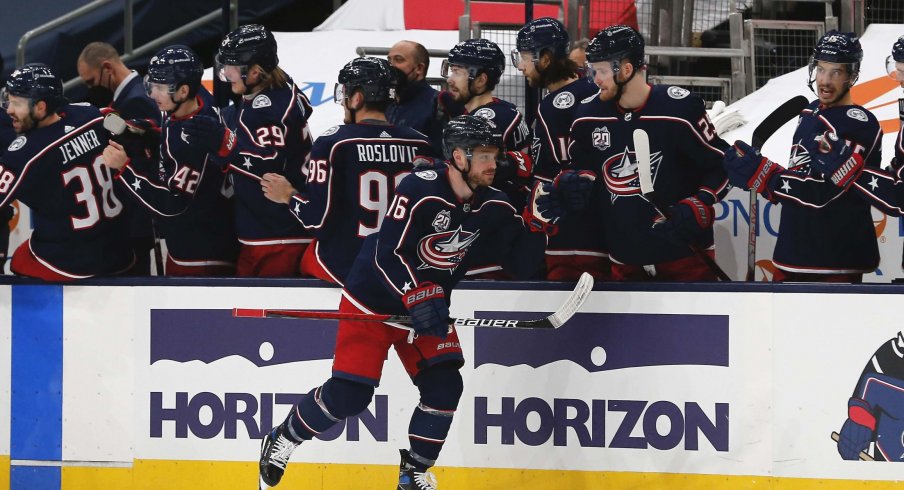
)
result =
(185, 475)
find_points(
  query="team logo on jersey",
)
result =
(800, 158)
(17, 143)
(563, 100)
(445, 250)
(486, 113)
(330, 131)
(620, 173)
(442, 220)
(678, 92)
(857, 114)
(260, 101)
(426, 174)
(601, 138)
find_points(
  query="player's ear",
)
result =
(40, 109)
(627, 69)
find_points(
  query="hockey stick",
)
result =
(571, 305)
(763, 131)
(645, 176)
(864, 456)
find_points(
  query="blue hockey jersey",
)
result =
(272, 135)
(825, 229)
(352, 174)
(184, 190)
(428, 235)
(686, 160)
(58, 172)
(555, 114)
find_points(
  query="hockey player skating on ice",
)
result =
(826, 232)
(541, 54)
(352, 171)
(685, 162)
(438, 219)
(876, 408)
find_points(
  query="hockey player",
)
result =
(101, 69)
(876, 408)
(352, 172)
(182, 189)
(54, 167)
(266, 133)
(541, 54)
(686, 165)
(439, 218)
(826, 232)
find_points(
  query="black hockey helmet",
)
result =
(897, 50)
(175, 66)
(477, 55)
(837, 47)
(896, 57)
(375, 77)
(616, 43)
(468, 132)
(248, 45)
(541, 34)
(37, 82)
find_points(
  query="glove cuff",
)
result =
(848, 172)
(860, 413)
(426, 291)
(227, 144)
(537, 224)
(701, 211)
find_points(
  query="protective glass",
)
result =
(152, 88)
(486, 154)
(895, 69)
(229, 73)
(453, 71)
(4, 99)
(605, 70)
(521, 58)
(339, 93)
(830, 72)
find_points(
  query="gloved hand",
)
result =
(748, 169)
(834, 159)
(687, 219)
(522, 163)
(211, 133)
(140, 138)
(543, 210)
(428, 309)
(857, 431)
(573, 188)
(421, 162)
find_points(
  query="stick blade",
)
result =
(249, 313)
(777, 119)
(574, 301)
(642, 155)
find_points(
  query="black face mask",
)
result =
(99, 96)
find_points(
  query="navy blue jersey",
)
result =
(352, 174)
(184, 190)
(58, 172)
(428, 235)
(686, 156)
(132, 102)
(7, 133)
(555, 114)
(272, 135)
(885, 189)
(825, 229)
(417, 109)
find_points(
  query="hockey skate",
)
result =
(276, 449)
(414, 476)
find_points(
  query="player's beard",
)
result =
(459, 95)
(484, 179)
(23, 125)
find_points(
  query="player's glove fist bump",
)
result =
(211, 133)
(748, 169)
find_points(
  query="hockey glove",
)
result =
(857, 431)
(428, 309)
(543, 210)
(421, 162)
(748, 169)
(687, 220)
(140, 138)
(212, 134)
(522, 163)
(573, 188)
(834, 159)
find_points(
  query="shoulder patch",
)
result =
(427, 174)
(17, 143)
(857, 114)
(563, 101)
(261, 101)
(330, 131)
(486, 113)
(590, 99)
(678, 92)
